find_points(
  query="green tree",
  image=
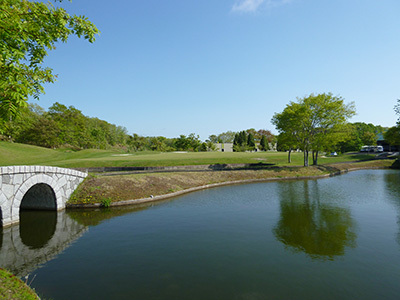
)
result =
(397, 110)
(185, 143)
(268, 134)
(368, 133)
(45, 132)
(213, 138)
(14, 129)
(251, 145)
(136, 142)
(211, 146)
(240, 141)
(353, 142)
(203, 147)
(28, 29)
(392, 136)
(287, 142)
(313, 121)
(264, 146)
(72, 124)
(226, 137)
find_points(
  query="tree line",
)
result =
(68, 127)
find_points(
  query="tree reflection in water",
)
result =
(315, 227)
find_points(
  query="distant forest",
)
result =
(67, 127)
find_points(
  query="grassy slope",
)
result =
(19, 154)
(12, 287)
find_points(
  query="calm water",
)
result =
(335, 238)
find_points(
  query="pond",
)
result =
(334, 238)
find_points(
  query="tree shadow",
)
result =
(231, 167)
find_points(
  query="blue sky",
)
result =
(183, 66)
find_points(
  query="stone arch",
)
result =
(28, 184)
(4, 213)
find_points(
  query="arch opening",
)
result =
(39, 197)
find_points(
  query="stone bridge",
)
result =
(35, 187)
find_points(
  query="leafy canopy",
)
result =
(27, 31)
(315, 122)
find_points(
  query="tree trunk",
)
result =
(289, 156)
(315, 158)
(306, 158)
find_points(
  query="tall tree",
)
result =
(213, 138)
(226, 137)
(28, 29)
(268, 134)
(287, 142)
(313, 121)
(251, 145)
(264, 143)
(240, 141)
(392, 136)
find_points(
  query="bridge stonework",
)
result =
(16, 181)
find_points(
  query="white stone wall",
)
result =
(15, 181)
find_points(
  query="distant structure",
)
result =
(224, 147)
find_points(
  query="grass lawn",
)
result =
(11, 287)
(20, 154)
(97, 189)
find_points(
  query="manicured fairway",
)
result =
(20, 154)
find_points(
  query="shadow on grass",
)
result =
(230, 167)
(360, 157)
(330, 169)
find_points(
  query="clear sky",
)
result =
(165, 68)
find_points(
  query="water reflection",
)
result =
(307, 224)
(392, 181)
(39, 237)
(36, 228)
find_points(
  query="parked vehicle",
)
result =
(365, 149)
(371, 149)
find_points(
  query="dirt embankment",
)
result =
(122, 189)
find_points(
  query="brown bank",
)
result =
(119, 188)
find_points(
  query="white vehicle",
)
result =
(371, 149)
(366, 149)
